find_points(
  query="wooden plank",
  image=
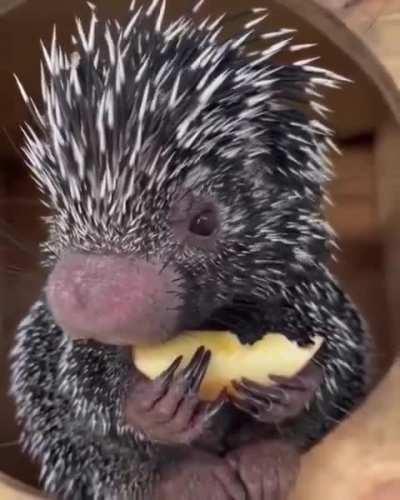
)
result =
(360, 460)
(377, 22)
(11, 489)
(358, 27)
(387, 154)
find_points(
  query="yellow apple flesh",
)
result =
(274, 354)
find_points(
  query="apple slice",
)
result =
(274, 354)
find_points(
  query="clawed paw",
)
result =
(284, 400)
(168, 409)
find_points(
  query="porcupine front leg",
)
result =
(168, 409)
(76, 462)
(82, 456)
(268, 468)
(267, 465)
(285, 400)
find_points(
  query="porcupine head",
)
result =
(185, 174)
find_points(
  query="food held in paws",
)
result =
(274, 354)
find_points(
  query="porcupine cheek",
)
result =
(113, 299)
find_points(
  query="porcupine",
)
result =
(186, 176)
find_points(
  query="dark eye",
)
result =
(204, 224)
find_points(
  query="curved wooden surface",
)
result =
(10, 489)
(360, 460)
(366, 30)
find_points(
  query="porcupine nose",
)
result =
(113, 299)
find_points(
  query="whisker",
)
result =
(21, 273)
(18, 244)
(13, 144)
(8, 444)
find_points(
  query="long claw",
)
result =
(206, 413)
(196, 356)
(187, 372)
(161, 384)
(275, 394)
(198, 376)
(244, 406)
(168, 374)
(246, 392)
(216, 405)
(194, 373)
(261, 405)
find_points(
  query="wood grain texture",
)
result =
(387, 155)
(10, 489)
(361, 459)
(366, 30)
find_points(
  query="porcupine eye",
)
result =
(194, 220)
(204, 224)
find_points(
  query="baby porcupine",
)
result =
(186, 176)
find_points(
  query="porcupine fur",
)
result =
(134, 114)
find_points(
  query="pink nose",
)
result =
(113, 299)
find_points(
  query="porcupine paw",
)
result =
(168, 410)
(277, 403)
(267, 469)
(198, 476)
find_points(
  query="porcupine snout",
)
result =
(113, 299)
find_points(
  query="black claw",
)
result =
(167, 375)
(193, 362)
(216, 405)
(284, 400)
(195, 368)
(254, 386)
(242, 391)
(199, 374)
(163, 381)
(246, 407)
(252, 403)
(275, 394)
(207, 412)
(273, 403)
(264, 405)
(247, 392)
(252, 389)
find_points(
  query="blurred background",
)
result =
(366, 133)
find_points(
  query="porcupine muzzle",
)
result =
(113, 299)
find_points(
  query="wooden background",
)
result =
(366, 191)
